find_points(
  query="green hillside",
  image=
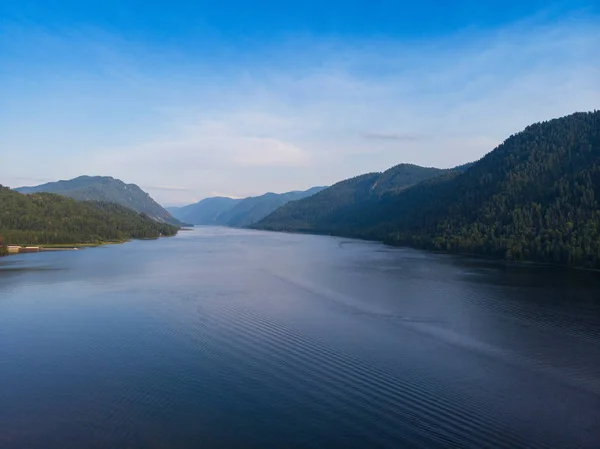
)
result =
(106, 189)
(45, 218)
(319, 212)
(533, 198)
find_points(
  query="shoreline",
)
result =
(24, 249)
(526, 263)
(37, 248)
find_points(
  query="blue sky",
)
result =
(193, 99)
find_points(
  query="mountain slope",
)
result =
(237, 212)
(314, 213)
(252, 209)
(205, 212)
(107, 189)
(45, 218)
(534, 197)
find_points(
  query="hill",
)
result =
(45, 218)
(205, 212)
(533, 198)
(252, 209)
(238, 212)
(106, 189)
(317, 212)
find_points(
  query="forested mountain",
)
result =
(238, 212)
(535, 198)
(346, 197)
(206, 212)
(107, 189)
(45, 218)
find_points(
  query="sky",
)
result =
(190, 99)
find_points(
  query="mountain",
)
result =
(252, 209)
(316, 212)
(206, 212)
(46, 218)
(533, 198)
(237, 212)
(106, 189)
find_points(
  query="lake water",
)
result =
(225, 338)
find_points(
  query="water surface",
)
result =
(231, 338)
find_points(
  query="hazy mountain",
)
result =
(237, 212)
(253, 209)
(108, 189)
(534, 197)
(205, 212)
(45, 218)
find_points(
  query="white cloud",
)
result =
(266, 152)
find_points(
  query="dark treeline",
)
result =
(45, 218)
(534, 198)
(3, 249)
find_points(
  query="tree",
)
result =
(3, 248)
(45, 218)
(535, 197)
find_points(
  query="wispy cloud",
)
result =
(21, 181)
(294, 114)
(226, 195)
(392, 136)
(167, 188)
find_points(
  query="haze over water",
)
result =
(231, 338)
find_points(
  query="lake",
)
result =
(225, 338)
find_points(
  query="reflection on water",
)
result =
(232, 338)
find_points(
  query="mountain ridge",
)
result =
(49, 218)
(349, 194)
(238, 212)
(106, 189)
(532, 198)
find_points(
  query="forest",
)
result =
(106, 189)
(46, 218)
(317, 212)
(3, 248)
(533, 198)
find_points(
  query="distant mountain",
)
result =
(316, 212)
(107, 189)
(45, 218)
(237, 212)
(205, 212)
(536, 197)
(252, 209)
